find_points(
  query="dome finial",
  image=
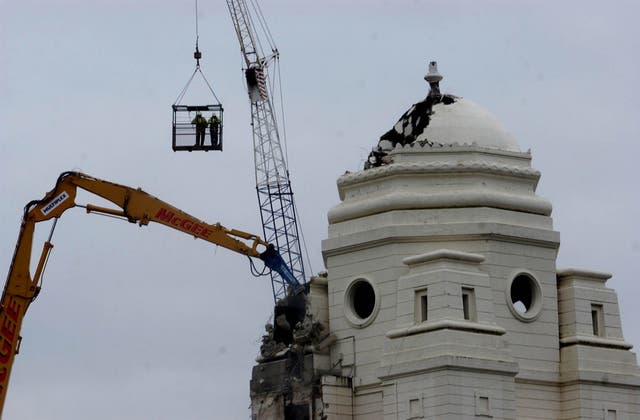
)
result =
(433, 77)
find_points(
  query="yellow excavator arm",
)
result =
(136, 206)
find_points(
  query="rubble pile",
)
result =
(307, 335)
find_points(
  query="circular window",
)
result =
(524, 297)
(360, 303)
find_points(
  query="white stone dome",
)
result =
(442, 120)
(463, 121)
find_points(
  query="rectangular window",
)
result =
(468, 304)
(483, 404)
(610, 414)
(421, 306)
(415, 411)
(597, 320)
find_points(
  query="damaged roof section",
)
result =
(412, 123)
(441, 119)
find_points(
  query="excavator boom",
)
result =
(134, 205)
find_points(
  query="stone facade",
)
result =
(470, 317)
(442, 295)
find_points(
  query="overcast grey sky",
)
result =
(146, 322)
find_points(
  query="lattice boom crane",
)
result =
(275, 196)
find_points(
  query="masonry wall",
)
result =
(358, 350)
(450, 394)
(538, 401)
(337, 399)
(596, 402)
(368, 404)
(435, 221)
(534, 344)
(382, 266)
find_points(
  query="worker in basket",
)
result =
(214, 129)
(201, 128)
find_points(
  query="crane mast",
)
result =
(275, 196)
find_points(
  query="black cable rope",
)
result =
(197, 56)
(260, 49)
(263, 24)
(304, 249)
(184, 89)
(208, 85)
(284, 128)
(254, 270)
(197, 34)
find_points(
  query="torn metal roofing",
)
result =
(442, 119)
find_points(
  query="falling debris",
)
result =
(270, 347)
(294, 356)
(308, 333)
(411, 125)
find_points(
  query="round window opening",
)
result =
(525, 297)
(363, 299)
(361, 303)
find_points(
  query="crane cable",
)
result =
(263, 24)
(197, 55)
(197, 33)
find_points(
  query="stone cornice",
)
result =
(368, 388)
(402, 168)
(595, 342)
(443, 254)
(447, 362)
(446, 324)
(360, 241)
(598, 276)
(536, 377)
(457, 147)
(398, 200)
(596, 378)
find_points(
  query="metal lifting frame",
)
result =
(273, 186)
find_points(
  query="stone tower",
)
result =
(442, 295)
